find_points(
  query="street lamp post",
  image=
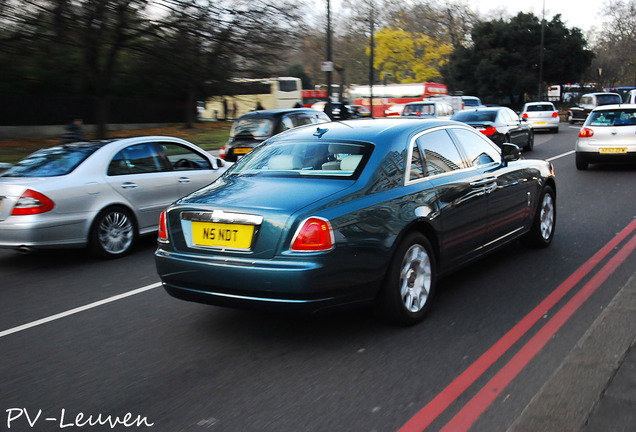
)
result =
(329, 58)
(371, 77)
(541, 54)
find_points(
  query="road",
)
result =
(81, 348)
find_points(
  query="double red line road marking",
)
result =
(464, 419)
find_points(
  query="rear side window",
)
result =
(139, 159)
(52, 162)
(440, 154)
(478, 149)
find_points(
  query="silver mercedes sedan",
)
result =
(100, 194)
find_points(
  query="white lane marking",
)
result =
(560, 156)
(78, 309)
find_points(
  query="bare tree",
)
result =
(615, 64)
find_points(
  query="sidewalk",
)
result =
(594, 389)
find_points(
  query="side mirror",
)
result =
(510, 152)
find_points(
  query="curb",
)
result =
(568, 399)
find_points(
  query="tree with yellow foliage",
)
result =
(410, 57)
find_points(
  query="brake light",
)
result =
(314, 235)
(524, 115)
(32, 202)
(163, 231)
(490, 130)
(222, 152)
(555, 114)
(586, 133)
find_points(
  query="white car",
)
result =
(394, 110)
(428, 109)
(541, 115)
(100, 194)
(608, 135)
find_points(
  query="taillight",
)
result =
(314, 235)
(32, 202)
(222, 152)
(490, 130)
(586, 133)
(163, 231)
(555, 114)
(524, 115)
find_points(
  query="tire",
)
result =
(409, 285)
(530, 144)
(113, 233)
(581, 162)
(542, 230)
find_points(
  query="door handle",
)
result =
(184, 180)
(129, 185)
(483, 182)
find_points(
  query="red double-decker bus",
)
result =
(310, 97)
(385, 96)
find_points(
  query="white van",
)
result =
(630, 98)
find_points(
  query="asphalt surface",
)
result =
(594, 389)
(190, 367)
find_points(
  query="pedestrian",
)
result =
(74, 131)
(328, 109)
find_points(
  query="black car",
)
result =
(500, 124)
(341, 111)
(590, 101)
(251, 129)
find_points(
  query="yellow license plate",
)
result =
(606, 150)
(542, 123)
(242, 150)
(222, 235)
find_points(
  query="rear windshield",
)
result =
(475, 116)
(619, 117)
(545, 107)
(608, 99)
(52, 162)
(252, 127)
(419, 109)
(305, 159)
(471, 102)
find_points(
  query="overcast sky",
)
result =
(583, 14)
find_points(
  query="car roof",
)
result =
(421, 103)
(614, 107)
(277, 112)
(484, 108)
(539, 103)
(369, 130)
(601, 93)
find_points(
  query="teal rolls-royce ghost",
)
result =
(353, 213)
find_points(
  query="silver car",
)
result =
(541, 115)
(101, 195)
(608, 135)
